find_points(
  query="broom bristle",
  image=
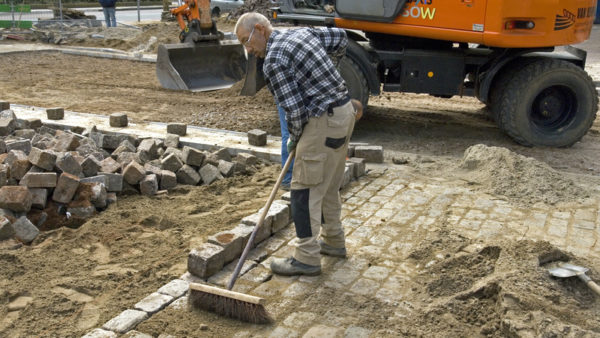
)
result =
(228, 307)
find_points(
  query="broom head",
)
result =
(229, 303)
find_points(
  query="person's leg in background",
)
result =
(112, 15)
(597, 21)
(106, 16)
(285, 135)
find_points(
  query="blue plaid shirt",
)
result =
(301, 75)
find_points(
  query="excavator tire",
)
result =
(355, 80)
(549, 102)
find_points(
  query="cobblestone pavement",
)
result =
(385, 215)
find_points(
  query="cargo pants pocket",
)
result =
(310, 168)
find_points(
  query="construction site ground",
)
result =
(444, 239)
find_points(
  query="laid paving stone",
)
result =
(322, 331)
(299, 319)
(264, 231)
(136, 334)
(125, 321)
(42, 158)
(177, 128)
(100, 333)
(25, 231)
(371, 154)
(258, 275)
(231, 243)
(65, 188)
(257, 137)
(365, 287)
(15, 198)
(357, 332)
(243, 231)
(55, 113)
(175, 288)
(377, 273)
(283, 332)
(206, 260)
(6, 229)
(209, 173)
(187, 175)
(118, 120)
(153, 303)
(280, 214)
(192, 156)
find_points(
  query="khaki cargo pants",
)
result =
(317, 175)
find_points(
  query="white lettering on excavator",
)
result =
(425, 13)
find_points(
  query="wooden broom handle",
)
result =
(261, 220)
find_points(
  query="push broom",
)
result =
(235, 304)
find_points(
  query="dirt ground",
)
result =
(76, 279)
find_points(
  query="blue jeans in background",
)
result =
(285, 135)
(109, 16)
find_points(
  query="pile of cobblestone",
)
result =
(51, 178)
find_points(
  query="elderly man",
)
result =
(320, 118)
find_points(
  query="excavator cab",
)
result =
(206, 59)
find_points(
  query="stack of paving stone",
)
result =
(51, 178)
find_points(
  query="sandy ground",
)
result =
(76, 279)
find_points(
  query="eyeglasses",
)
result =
(249, 37)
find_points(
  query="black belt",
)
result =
(336, 104)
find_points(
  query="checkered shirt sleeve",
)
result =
(301, 74)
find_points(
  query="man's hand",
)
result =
(291, 145)
(358, 107)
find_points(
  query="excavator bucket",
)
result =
(201, 66)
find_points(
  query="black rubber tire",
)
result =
(549, 102)
(503, 77)
(355, 81)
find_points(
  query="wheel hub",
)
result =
(553, 108)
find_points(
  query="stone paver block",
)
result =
(209, 174)
(177, 128)
(257, 137)
(134, 173)
(283, 332)
(371, 154)
(187, 175)
(258, 275)
(359, 166)
(247, 159)
(109, 165)
(172, 140)
(171, 163)
(365, 287)
(222, 154)
(15, 198)
(153, 303)
(42, 158)
(152, 169)
(100, 333)
(205, 260)
(55, 113)
(265, 230)
(25, 231)
(168, 180)
(4, 174)
(19, 166)
(231, 243)
(4, 105)
(90, 166)
(125, 321)
(175, 288)
(25, 133)
(244, 231)
(6, 229)
(357, 332)
(39, 198)
(34, 123)
(66, 142)
(81, 209)
(280, 214)
(193, 156)
(65, 188)
(322, 331)
(7, 126)
(299, 319)
(100, 179)
(23, 145)
(126, 157)
(39, 180)
(113, 141)
(68, 164)
(149, 146)
(226, 168)
(149, 185)
(118, 120)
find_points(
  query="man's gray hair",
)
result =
(248, 20)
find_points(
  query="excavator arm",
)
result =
(194, 19)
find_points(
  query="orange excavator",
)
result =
(206, 59)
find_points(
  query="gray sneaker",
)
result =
(292, 267)
(328, 250)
